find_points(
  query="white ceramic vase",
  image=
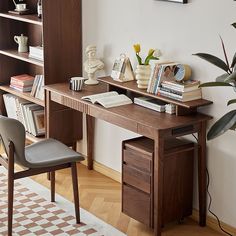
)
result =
(143, 73)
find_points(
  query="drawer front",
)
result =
(138, 160)
(136, 178)
(136, 204)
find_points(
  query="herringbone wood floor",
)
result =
(102, 197)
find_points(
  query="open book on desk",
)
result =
(108, 99)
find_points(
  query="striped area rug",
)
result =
(34, 215)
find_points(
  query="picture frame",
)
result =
(177, 1)
(38, 119)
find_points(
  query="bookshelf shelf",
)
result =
(25, 95)
(32, 18)
(132, 86)
(21, 56)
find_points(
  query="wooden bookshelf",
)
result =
(21, 56)
(25, 95)
(31, 18)
(60, 63)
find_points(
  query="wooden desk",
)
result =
(154, 125)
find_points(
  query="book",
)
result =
(22, 80)
(39, 93)
(21, 89)
(108, 99)
(185, 97)
(186, 86)
(36, 52)
(151, 103)
(35, 85)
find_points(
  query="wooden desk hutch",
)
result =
(153, 125)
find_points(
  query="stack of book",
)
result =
(170, 108)
(36, 52)
(29, 114)
(38, 87)
(163, 82)
(184, 92)
(150, 103)
(22, 83)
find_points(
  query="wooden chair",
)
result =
(46, 156)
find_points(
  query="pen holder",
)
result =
(76, 83)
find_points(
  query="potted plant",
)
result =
(143, 71)
(228, 79)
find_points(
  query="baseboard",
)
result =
(115, 175)
(212, 223)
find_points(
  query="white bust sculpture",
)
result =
(92, 65)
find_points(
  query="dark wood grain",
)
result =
(90, 124)
(62, 29)
(202, 182)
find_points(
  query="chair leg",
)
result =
(48, 176)
(52, 179)
(10, 204)
(75, 191)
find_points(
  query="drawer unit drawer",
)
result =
(140, 209)
(136, 178)
(138, 160)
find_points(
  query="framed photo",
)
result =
(178, 1)
(38, 116)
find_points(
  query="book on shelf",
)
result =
(36, 52)
(22, 82)
(151, 103)
(29, 114)
(183, 97)
(38, 87)
(185, 86)
(108, 99)
(157, 76)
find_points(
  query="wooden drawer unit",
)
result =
(140, 200)
(137, 179)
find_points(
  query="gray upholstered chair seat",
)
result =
(48, 153)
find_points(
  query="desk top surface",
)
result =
(129, 116)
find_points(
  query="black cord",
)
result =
(210, 202)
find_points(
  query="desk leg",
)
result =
(90, 123)
(202, 184)
(158, 184)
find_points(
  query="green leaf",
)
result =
(231, 102)
(231, 77)
(139, 59)
(213, 60)
(234, 61)
(215, 84)
(222, 125)
(222, 78)
(225, 54)
(234, 25)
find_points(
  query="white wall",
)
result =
(178, 30)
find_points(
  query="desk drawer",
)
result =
(136, 178)
(138, 160)
(136, 204)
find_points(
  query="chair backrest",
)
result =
(13, 130)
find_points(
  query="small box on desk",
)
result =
(137, 179)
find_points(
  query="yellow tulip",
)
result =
(151, 51)
(137, 48)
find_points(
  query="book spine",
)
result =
(149, 105)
